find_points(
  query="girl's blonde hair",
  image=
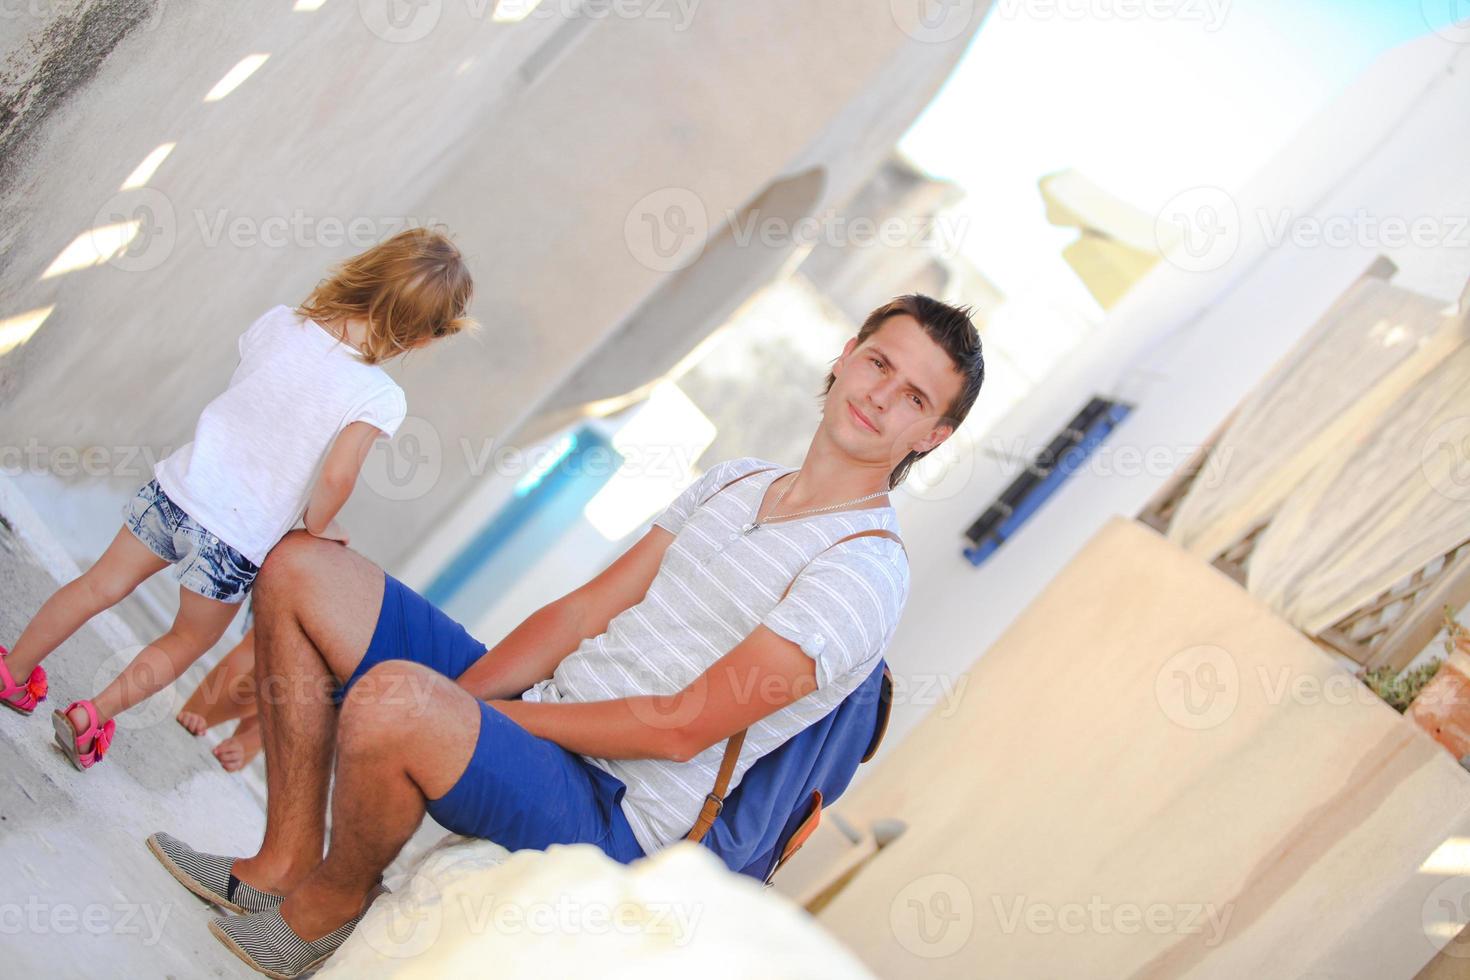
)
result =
(410, 289)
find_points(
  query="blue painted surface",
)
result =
(544, 504)
(1069, 463)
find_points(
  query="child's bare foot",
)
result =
(226, 693)
(241, 748)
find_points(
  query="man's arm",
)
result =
(531, 652)
(762, 674)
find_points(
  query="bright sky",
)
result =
(1145, 108)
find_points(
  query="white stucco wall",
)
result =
(1186, 346)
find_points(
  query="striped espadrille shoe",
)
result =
(268, 944)
(209, 876)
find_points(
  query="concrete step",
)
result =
(78, 874)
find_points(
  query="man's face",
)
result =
(891, 393)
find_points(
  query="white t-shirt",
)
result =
(714, 587)
(248, 474)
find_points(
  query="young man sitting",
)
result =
(628, 687)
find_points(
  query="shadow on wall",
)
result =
(690, 305)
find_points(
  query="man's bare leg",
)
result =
(406, 736)
(317, 605)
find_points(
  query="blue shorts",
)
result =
(519, 790)
(202, 562)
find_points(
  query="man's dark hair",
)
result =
(951, 328)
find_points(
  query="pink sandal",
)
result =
(31, 693)
(71, 741)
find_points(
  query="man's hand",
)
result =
(532, 651)
(764, 673)
(333, 532)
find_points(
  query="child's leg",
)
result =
(228, 691)
(122, 567)
(241, 748)
(198, 626)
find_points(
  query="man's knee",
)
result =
(290, 562)
(300, 565)
(388, 706)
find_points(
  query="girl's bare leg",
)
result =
(227, 693)
(196, 628)
(125, 564)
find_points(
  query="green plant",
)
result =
(1400, 689)
(1456, 635)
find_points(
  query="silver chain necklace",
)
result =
(751, 526)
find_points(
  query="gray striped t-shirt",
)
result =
(713, 588)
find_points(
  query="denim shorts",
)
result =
(518, 790)
(202, 562)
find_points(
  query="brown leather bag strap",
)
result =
(875, 532)
(714, 801)
(742, 476)
(800, 835)
(885, 709)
